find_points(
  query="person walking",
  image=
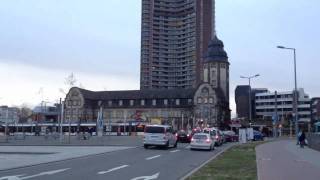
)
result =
(302, 139)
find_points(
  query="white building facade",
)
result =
(9, 115)
(280, 104)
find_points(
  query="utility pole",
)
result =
(6, 128)
(295, 94)
(61, 119)
(275, 120)
(249, 91)
(71, 116)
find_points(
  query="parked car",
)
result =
(230, 136)
(216, 134)
(183, 136)
(257, 136)
(159, 135)
(202, 141)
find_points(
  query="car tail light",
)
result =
(208, 141)
(192, 139)
(176, 134)
(188, 135)
(217, 137)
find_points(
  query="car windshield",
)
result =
(200, 136)
(211, 132)
(151, 129)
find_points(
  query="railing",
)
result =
(314, 140)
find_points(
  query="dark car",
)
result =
(257, 136)
(230, 136)
(183, 136)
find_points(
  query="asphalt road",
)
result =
(131, 164)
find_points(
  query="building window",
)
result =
(142, 102)
(154, 102)
(120, 102)
(189, 101)
(199, 100)
(131, 102)
(211, 100)
(109, 103)
(177, 102)
(165, 102)
(205, 100)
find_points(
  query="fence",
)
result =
(314, 141)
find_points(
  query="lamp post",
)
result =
(295, 95)
(249, 79)
(71, 116)
(6, 128)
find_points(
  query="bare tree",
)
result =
(24, 113)
(70, 81)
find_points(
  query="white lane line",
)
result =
(175, 151)
(113, 169)
(153, 157)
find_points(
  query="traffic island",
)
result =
(239, 162)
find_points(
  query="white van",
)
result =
(159, 135)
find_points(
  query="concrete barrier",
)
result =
(314, 141)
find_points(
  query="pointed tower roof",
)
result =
(216, 51)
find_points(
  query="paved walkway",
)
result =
(283, 160)
(74, 141)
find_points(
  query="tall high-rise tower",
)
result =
(175, 36)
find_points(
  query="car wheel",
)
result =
(145, 146)
(175, 145)
(167, 145)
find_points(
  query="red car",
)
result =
(230, 136)
(195, 130)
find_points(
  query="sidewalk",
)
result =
(282, 160)
(74, 141)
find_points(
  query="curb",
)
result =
(206, 162)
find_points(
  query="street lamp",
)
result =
(295, 95)
(249, 79)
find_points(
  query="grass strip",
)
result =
(237, 163)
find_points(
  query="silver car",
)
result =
(202, 141)
(159, 135)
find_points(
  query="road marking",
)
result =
(46, 173)
(153, 157)
(155, 176)
(265, 159)
(17, 177)
(13, 177)
(301, 161)
(113, 169)
(175, 151)
(188, 147)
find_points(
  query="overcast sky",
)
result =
(43, 41)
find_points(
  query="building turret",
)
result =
(216, 73)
